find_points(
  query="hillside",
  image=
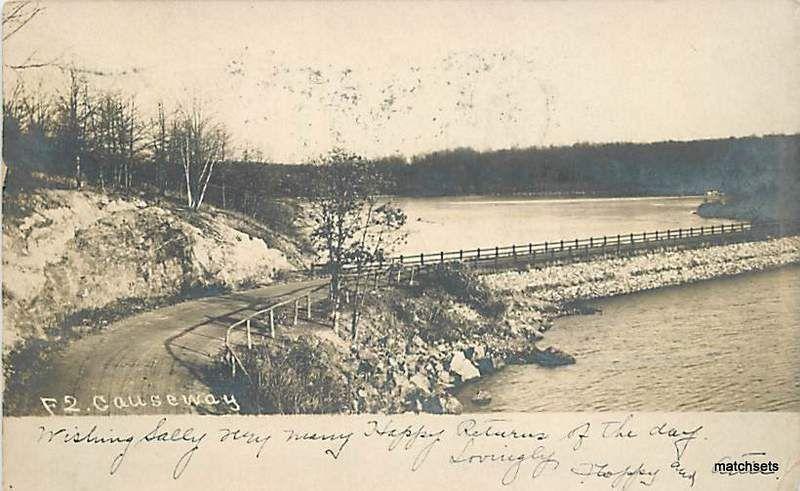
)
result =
(70, 254)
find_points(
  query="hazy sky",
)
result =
(295, 79)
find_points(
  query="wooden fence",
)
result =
(300, 303)
(566, 250)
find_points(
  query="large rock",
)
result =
(445, 378)
(452, 406)
(421, 381)
(463, 367)
(551, 357)
(485, 365)
(433, 404)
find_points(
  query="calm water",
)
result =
(449, 224)
(721, 345)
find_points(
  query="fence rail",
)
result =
(301, 301)
(563, 249)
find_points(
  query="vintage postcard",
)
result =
(401, 245)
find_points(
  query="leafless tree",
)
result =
(74, 111)
(16, 15)
(200, 143)
(160, 148)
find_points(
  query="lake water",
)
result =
(720, 345)
(450, 224)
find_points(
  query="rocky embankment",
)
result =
(538, 296)
(418, 345)
(66, 252)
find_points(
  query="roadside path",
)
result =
(150, 356)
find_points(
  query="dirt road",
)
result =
(151, 363)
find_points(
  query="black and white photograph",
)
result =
(264, 208)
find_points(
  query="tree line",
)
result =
(102, 138)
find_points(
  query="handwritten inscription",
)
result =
(489, 446)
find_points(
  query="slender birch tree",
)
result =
(199, 144)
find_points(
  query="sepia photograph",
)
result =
(252, 208)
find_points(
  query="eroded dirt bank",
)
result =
(70, 251)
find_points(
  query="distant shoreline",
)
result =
(539, 197)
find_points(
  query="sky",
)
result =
(296, 79)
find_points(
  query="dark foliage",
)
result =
(288, 377)
(465, 286)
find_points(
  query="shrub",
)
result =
(465, 286)
(24, 365)
(288, 377)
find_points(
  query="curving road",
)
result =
(151, 363)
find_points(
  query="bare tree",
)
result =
(16, 15)
(199, 144)
(74, 112)
(352, 226)
(160, 146)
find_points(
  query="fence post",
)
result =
(441, 257)
(545, 247)
(249, 337)
(479, 253)
(308, 306)
(562, 245)
(461, 255)
(296, 311)
(421, 258)
(399, 270)
(272, 323)
(411, 279)
(514, 250)
(530, 248)
(702, 230)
